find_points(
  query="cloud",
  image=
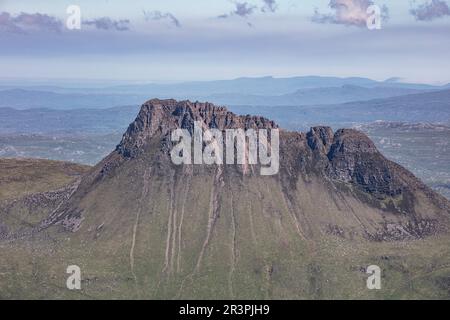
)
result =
(245, 9)
(348, 12)
(29, 22)
(431, 10)
(242, 9)
(158, 15)
(35, 22)
(269, 6)
(106, 23)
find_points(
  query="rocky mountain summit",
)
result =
(225, 230)
(160, 117)
(346, 163)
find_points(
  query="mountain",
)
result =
(347, 93)
(242, 91)
(433, 107)
(315, 96)
(140, 226)
(35, 99)
(420, 107)
(257, 86)
(265, 86)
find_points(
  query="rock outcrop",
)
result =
(160, 117)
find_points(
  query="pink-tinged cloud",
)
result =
(431, 10)
(348, 12)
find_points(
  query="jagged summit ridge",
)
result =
(160, 117)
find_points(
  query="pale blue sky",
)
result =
(285, 42)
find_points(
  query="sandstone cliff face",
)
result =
(354, 158)
(160, 117)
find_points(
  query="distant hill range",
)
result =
(433, 107)
(264, 86)
(266, 91)
(327, 95)
(430, 106)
